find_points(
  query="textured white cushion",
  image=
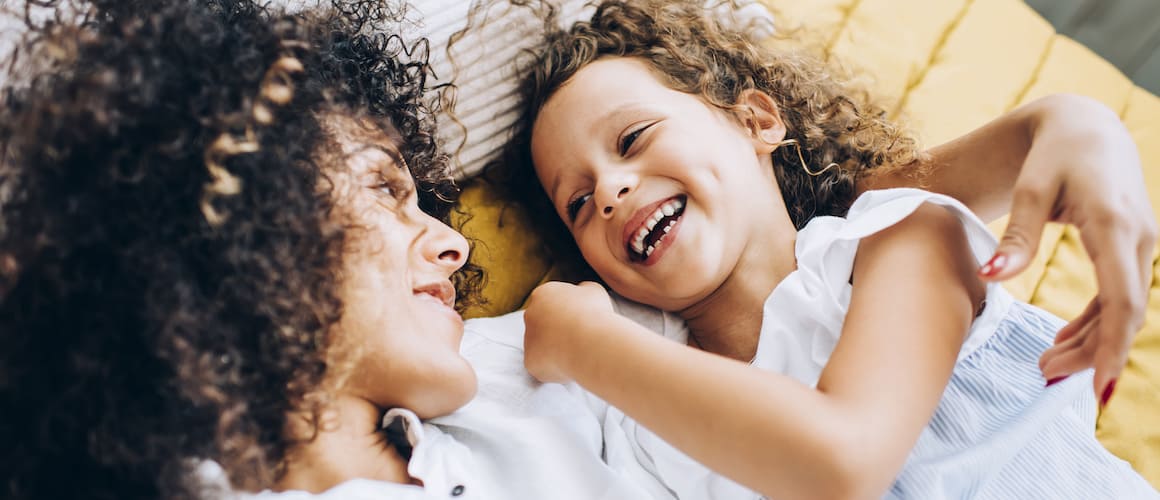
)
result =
(482, 63)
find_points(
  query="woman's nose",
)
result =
(444, 246)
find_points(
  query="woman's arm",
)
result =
(912, 304)
(1064, 158)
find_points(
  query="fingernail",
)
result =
(993, 266)
(1107, 393)
(1055, 380)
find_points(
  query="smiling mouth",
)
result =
(442, 291)
(655, 228)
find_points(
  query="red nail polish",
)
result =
(994, 266)
(1107, 393)
(1055, 380)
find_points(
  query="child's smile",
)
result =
(666, 195)
(652, 229)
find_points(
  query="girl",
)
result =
(700, 175)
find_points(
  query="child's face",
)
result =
(616, 150)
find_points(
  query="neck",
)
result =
(348, 444)
(728, 321)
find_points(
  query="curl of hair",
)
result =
(691, 52)
(169, 264)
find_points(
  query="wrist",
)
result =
(592, 340)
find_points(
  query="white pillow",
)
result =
(486, 55)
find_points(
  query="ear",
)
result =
(760, 114)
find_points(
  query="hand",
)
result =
(1094, 182)
(556, 321)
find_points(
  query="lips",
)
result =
(442, 290)
(650, 225)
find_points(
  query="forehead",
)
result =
(361, 142)
(607, 84)
(602, 98)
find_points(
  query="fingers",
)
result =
(1121, 297)
(1072, 355)
(1088, 315)
(1030, 211)
(591, 285)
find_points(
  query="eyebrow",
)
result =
(617, 114)
(392, 153)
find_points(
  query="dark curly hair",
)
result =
(693, 53)
(169, 263)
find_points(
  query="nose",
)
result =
(443, 246)
(612, 190)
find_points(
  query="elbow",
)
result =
(851, 467)
(1076, 106)
(851, 482)
(1070, 101)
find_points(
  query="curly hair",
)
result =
(691, 52)
(169, 264)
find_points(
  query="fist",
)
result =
(556, 322)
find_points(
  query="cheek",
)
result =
(594, 246)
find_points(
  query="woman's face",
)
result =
(399, 325)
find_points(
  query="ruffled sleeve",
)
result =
(803, 316)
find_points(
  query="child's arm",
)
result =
(912, 304)
(1065, 158)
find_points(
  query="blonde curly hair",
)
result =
(689, 51)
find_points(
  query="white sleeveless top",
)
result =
(998, 433)
(805, 312)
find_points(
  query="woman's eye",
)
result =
(629, 138)
(575, 205)
(394, 188)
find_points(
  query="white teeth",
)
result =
(666, 210)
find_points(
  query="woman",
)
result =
(199, 252)
(210, 249)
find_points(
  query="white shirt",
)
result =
(518, 439)
(446, 468)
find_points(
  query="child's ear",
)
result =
(762, 117)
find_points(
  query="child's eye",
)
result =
(629, 138)
(575, 205)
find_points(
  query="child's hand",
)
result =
(557, 318)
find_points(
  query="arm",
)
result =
(1063, 158)
(846, 439)
(982, 169)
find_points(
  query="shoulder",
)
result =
(903, 214)
(926, 220)
(929, 232)
(929, 246)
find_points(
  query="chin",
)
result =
(455, 390)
